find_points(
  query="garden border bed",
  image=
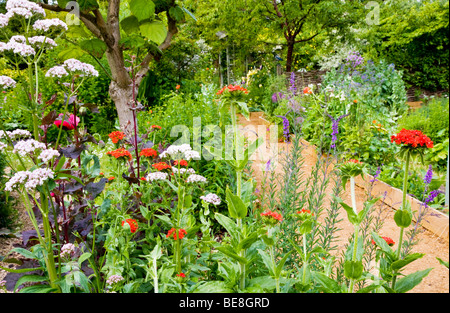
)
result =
(435, 221)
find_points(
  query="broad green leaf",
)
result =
(37, 289)
(130, 25)
(353, 269)
(176, 13)
(247, 242)
(142, 9)
(381, 243)
(399, 264)
(403, 218)
(268, 261)
(410, 281)
(352, 217)
(228, 224)
(132, 41)
(73, 52)
(30, 278)
(236, 207)
(281, 263)
(88, 5)
(94, 46)
(328, 284)
(27, 254)
(155, 31)
(22, 270)
(229, 252)
(367, 207)
(84, 257)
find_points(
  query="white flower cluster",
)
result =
(30, 179)
(7, 82)
(72, 65)
(39, 40)
(67, 250)
(195, 178)
(114, 279)
(183, 170)
(45, 25)
(182, 152)
(28, 146)
(4, 20)
(16, 45)
(23, 8)
(15, 134)
(2, 146)
(48, 154)
(211, 198)
(57, 71)
(157, 176)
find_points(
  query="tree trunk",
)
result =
(290, 53)
(122, 98)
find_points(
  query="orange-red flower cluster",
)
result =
(149, 153)
(161, 166)
(133, 224)
(275, 215)
(307, 91)
(232, 88)
(120, 153)
(412, 138)
(305, 211)
(176, 234)
(182, 163)
(156, 127)
(388, 240)
(182, 275)
(116, 136)
(355, 161)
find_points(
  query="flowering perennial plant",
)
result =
(161, 166)
(148, 153)
(132, 224)
(271, 217)
(157, 176)
(232, 88)
(412, 138)
(176, 234)
(30, 180)
(120, 153)
(116, 136)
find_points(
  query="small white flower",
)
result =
(48, 154)
(45, 25)
(57, 71)
(7, 82)
(183, 170)
(114, 279)
(67, 250)
(39, 40)
(28, 146)
(211, 198)
(75, 65)
(195, 178)
(4, 20)
(157, 176)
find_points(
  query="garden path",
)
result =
(429, 243)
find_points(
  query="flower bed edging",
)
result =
(435, 221)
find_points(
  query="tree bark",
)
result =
(290, 53)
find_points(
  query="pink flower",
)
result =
(68, 125)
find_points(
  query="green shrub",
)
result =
(8, 216)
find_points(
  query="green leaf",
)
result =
(73, 52)
(244, 109)
(352, 217)
(268, 261)
(247, 242)
(30, 278)
(88, 5)
(381, 243)
(37, 289)
(155, 31)
(236, 207)
(329, 285)
(130, 25)
(397, 265)
(403, 218)
(84, 257)
(443, 262)
(228, 224)
(176, 13)
(353, 269)
(132, 42)
(228, 251)
(280, 265)
(142, 9)
(410, 281)
(189, 13)
(95, 47)
(27, 254)
(22, 270)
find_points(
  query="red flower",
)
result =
(161, 166)
(355, 161)
(232, 88)
(388, 240)
(305, 211)
(143, 179)
(182, 163)
(277, 216)
(111, 178)
(149, 153)
(412, 138)
(116, 136)
(182, 275)
(120, 153)
(180, 234)
(68, 125)
(307, 90)
(133, 224)
(177, 87)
